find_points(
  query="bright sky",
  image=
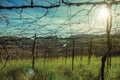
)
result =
(62, 21)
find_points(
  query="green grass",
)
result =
(58, 69)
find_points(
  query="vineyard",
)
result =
(59, 39)
(54, 60)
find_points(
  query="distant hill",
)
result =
(9, 40)
(23, 41)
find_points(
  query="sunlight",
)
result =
(103, 13)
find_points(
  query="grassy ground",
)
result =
(58, 69)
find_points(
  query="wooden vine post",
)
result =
(73, 52)
(89, 50)
(34, 51)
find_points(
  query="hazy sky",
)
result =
(62, 21)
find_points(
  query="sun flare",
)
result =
(103, 13)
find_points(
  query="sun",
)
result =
(103, 13)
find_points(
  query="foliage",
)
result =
(58, 69)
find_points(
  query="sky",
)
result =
(62, 21)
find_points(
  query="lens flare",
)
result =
(103, 13)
